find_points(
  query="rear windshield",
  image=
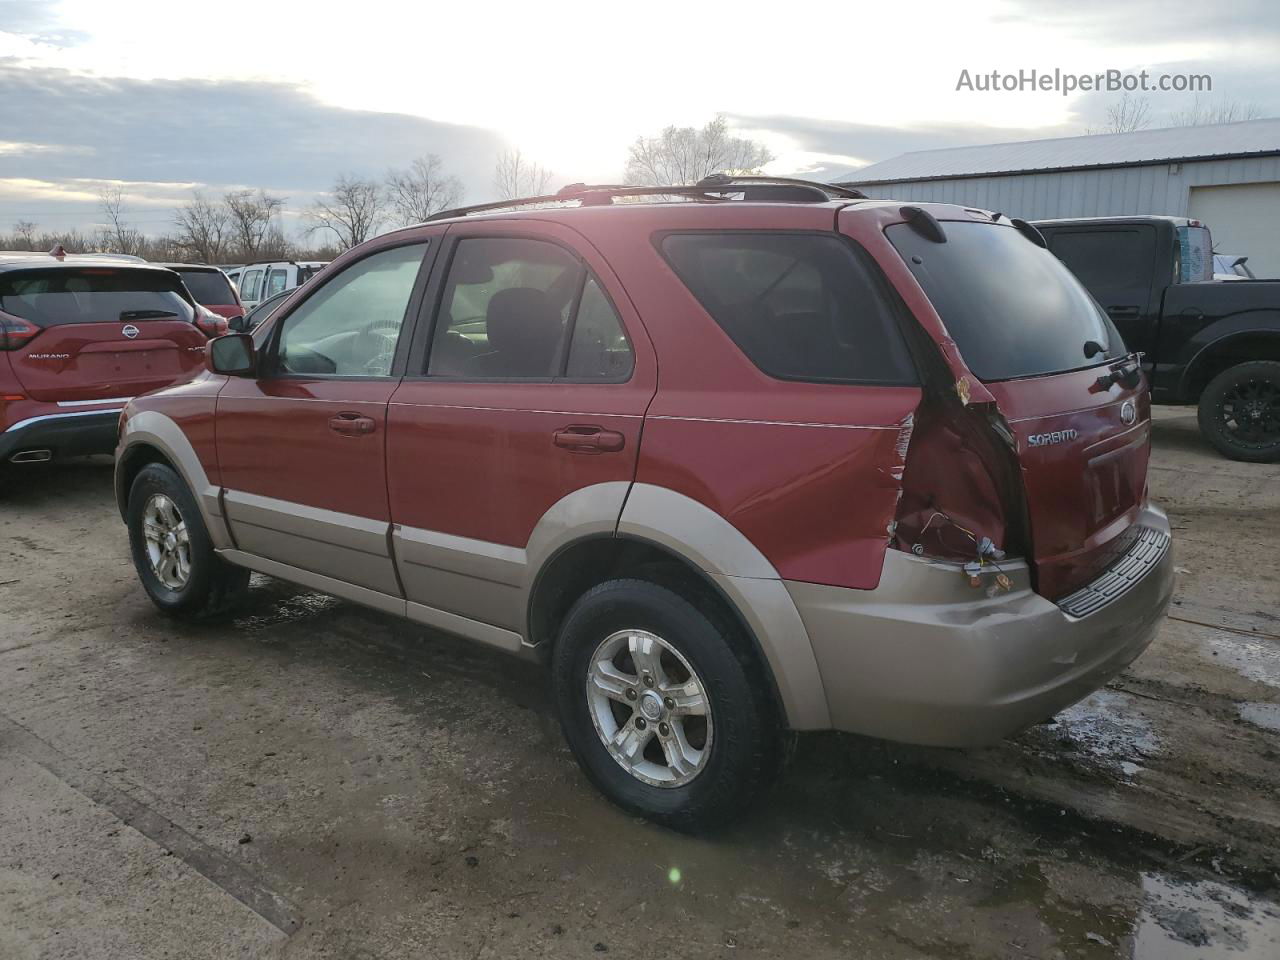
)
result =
(1013, 308)
(801, 306)
(208, 287)
(92, 295)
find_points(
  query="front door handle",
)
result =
(352, 424)
(588, 438)
(1122, 311)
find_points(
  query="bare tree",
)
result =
(1125, 116)
(352, 212)
(249, 219)
(682, 155)
(421, 190)
(1224, 111)
(203, 226)
(116, 235)
(24, 232)
(515, 175)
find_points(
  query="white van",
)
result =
(258, 281)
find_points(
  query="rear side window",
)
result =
(800, 306)
(249, 284)
(1108, 262)
(1012, 307)
(208, 286)
(93, 295)
(509, 305)
(599, 349)
(277, 282)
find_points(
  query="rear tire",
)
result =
(686, 733)
(1240, 412)
(173, 553)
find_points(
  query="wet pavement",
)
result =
(317, 780)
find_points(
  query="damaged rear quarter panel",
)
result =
(816, 495)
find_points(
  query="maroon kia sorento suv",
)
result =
(80, 336)
(748, 457)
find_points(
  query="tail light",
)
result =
(961, 496)
(15, 332)
(211, 324)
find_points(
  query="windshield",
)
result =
(209, 287)
(49, 297)
(1013, 308)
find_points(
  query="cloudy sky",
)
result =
(163, 97)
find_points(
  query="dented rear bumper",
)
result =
(926, 658)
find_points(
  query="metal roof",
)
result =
(1243, 138)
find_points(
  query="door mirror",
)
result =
(237, 325)
(232, 355)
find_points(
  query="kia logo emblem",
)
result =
(130, 331)
(1128, 412)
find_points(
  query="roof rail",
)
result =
(707, 190)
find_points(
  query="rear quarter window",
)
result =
(801, 306)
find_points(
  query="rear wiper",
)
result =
(1127, 371)
(126, 315)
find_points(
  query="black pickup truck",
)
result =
(1209, 342)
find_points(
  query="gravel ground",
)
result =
(318, 780)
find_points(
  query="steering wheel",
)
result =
(379, 345)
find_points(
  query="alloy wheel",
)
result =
(168, 541)
(650, 708)
(1250, 411)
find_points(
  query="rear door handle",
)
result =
(1122, 311)
(352, 424)
(588, 438)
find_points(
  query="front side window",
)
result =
(800, 306)
(351, 325)
(505, 310)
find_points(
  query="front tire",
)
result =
(664, 707)
(1240, 412)
(172, 551)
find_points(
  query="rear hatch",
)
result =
(211, 289)
(1065, 389)
(81, 334)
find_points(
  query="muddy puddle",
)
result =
(1106, 730)
(1203, 920)
(1255, 659)
(1264, 715)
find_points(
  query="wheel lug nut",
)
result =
(668, 703)
(664, 729)
(648, 680)
(631, 694)
(640, 723)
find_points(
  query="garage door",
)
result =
(1244, 219)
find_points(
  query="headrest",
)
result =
(523, 320)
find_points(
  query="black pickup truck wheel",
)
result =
(1240, 412)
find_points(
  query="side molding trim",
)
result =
(316, 581)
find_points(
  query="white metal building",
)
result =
(1227, 175)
